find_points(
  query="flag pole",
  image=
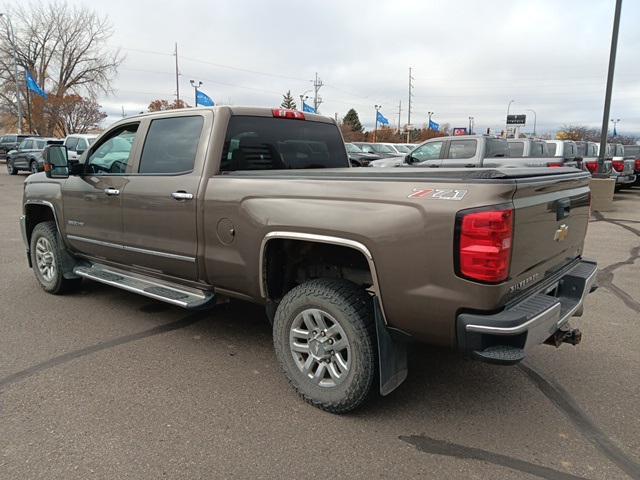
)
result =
(375, 130)
(28, 95)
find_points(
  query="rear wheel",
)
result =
(10, 168)
(46, 258)
(324, 338)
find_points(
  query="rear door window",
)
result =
(171, 145)
(266, 143)
(551, 148)
(462, 148)
(516, 149)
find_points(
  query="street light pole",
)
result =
(507, 119)
(615, 124)
(607, 97)
(15, 67)
(196, 86)
(470, 125)
(535, 118)
(375, 130)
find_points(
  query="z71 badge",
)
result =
(438, 193)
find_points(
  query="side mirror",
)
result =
(56, 161)
(79, 151)
(408, 159)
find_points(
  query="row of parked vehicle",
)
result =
(24, 152)
(622, 162)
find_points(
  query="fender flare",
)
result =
(391, 344)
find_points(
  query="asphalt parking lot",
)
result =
(106, 384)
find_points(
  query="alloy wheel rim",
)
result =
(320, 347)
(34, 167)
(9, 167)
(45, 259)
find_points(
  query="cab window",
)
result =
(25, 145)
(113, 154)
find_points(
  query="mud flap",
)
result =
(392, 355)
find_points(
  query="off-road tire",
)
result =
(10, 168)
(351, 306)
(58, 284)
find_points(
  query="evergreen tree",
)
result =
(288, 101)
(352, 121)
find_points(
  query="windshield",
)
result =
(402, 148)
(382, 148)
(351, 148)
(265, 143)
(91, 140)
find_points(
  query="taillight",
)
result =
(484, 245)
(591, 166)
(554, 164)
(618, 165)
(637, 167)
(284, 113)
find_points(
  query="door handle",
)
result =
(182, 195)
(112, 191)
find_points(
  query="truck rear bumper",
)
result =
(505, 337)
(625, 179)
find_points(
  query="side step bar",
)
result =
(174, 294)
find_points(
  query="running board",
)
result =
(179, 295)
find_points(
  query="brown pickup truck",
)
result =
(196, 206)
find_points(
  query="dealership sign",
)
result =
(516, 119)
(459, 131)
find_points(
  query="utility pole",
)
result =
(317, 100)
(177, 74)
(409, 109)
(15, 72)
(123, 114)
(399, 114)
(607, 97)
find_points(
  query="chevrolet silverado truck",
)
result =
(197, 206)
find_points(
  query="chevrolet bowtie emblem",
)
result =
(562, 233)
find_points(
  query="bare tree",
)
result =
(75, 114)
(65, 49)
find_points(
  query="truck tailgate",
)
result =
(550, 223)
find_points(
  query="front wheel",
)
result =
(34, 166)
(324, 338)
(46, 258)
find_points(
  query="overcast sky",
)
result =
(468, 57)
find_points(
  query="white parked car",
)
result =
(77, 143)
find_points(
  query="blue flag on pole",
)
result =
(203, 99)
(434, 126)
(382, 119)
(308, 108)
(33, 86)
